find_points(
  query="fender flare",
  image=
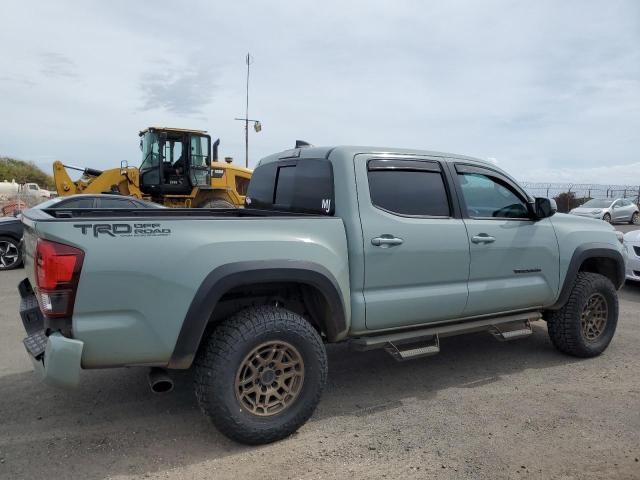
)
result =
(237, 274)
(582, 253)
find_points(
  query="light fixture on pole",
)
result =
(257, 126)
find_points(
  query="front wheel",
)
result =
(585, 325)
(260, 374)
(635, 219)
(10, 254)
(607, 218)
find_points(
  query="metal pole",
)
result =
(246, 117)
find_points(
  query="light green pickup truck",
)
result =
(378, 247)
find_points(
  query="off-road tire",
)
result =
(635, 219)
(15, 244)
(217, 203)
(222, 355)
(607, 218)
(565, 325)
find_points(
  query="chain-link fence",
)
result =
(10, 203)
(572, 195)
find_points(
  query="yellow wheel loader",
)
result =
(179, 169)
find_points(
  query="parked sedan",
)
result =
(620, 210)
(11, 227)
(632, 245)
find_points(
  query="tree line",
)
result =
(24, 172)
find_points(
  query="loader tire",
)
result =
(217, 203)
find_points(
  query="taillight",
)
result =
(57, 272)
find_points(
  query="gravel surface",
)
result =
(480, 409)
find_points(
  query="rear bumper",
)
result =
(56, 358)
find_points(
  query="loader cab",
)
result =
(174, 161)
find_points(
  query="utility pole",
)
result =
(257, 126)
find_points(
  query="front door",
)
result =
(514, 259)
(416, 249)
(622, 210)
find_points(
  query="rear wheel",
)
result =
(260, 374)
(217, 203)
(10, 254)
(585, 325)
(635, 219)
(607, 218)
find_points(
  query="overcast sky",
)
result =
(549, 89)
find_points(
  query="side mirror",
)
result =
(545, 207)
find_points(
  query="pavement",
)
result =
(481, 409)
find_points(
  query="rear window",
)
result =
(75, 203)
(301, 186)
(117, 203)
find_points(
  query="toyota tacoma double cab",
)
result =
(378, 247)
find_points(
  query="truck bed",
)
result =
(173, 213)
(143, 267)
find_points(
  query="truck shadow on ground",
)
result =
(113, 425)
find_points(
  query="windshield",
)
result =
(149, 169)
(150, 145)
(597, 203)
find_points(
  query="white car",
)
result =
(632, 246)
(619, 210)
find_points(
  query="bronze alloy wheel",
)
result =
(594, 317)
(270, 378)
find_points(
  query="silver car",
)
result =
(620, 210)
(632, 246)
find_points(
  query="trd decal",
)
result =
(123, 229)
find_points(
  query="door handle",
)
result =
(483, 238)
(386, 241)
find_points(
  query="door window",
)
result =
(488, 197)
(408, 188)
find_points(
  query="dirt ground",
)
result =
(480, 409)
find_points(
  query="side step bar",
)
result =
(518, 330)
(402, 352)
(421, 342)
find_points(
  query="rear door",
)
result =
(514, 259)
(415, 243)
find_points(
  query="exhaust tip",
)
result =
(159, 381)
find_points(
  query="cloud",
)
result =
(182, 91)
(16, 79)
(609, 174)
(551, 89)
(57, 65)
